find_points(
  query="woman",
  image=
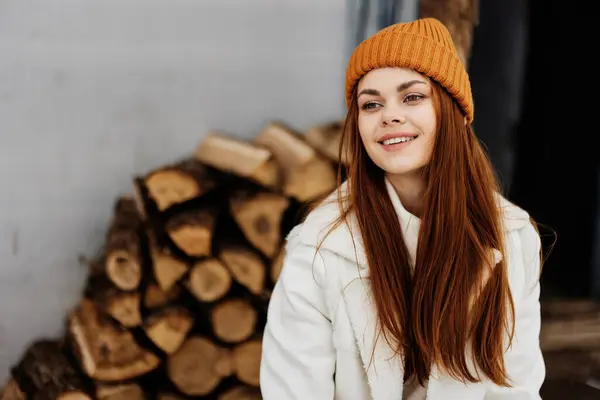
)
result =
(416, 279)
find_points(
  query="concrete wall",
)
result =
(93, 92)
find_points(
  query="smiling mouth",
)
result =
(397, 140)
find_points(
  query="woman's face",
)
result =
(396, 119)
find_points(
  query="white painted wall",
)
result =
(93, 92)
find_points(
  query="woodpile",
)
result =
(175, 304)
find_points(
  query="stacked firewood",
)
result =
(175, 304)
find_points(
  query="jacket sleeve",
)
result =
(298, 357)
(524, 360)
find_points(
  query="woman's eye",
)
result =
(369, 105)
(412, 98)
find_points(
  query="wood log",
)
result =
(198, 366)
(106, 351)
(326, 139)
(233, 320)
(277, 264)
(44, 373)
(174, 184)
(123, 259)
(459, 16)
(307, 175)
(167, 268)
(155, 297)
(245, 265)
(241, 393)
(122, 306)
(126, 391)
(192, 231)
(12, 391)
(239, 157)
(259, 215)
(209, 280)
(168, 328)
(246, 362)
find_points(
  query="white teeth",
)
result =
(398, 140)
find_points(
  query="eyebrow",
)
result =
(399, 88)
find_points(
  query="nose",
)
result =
(389, 119)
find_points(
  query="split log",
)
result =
(106, 351)
(155, 297)
(459, 16)
(192, 231)
(241, 393)
(122, 306)
(240, 158)
(44, 373)
(259, 214)
(326, 139)
(167, 268)
(198, 366)
(123, 260)
(277, 265)
(245, 265)
(233, 320)
(179, 183)
(12, 391)
(209, 280)
(307, 175)
(168, 328)
(246, 362)
(127, 391)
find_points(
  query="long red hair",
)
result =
(456, 297)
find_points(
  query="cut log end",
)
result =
(246, 360)
(125, 309)
(209, 280)
(246, 267)
(198, 366)
(167, 268)
(123, 269)
(234, 320)
(169, 328)
(259, 216)
(179, 183)
(192, 232)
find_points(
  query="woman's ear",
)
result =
(465, 120)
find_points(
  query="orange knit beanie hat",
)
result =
(424, 45)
